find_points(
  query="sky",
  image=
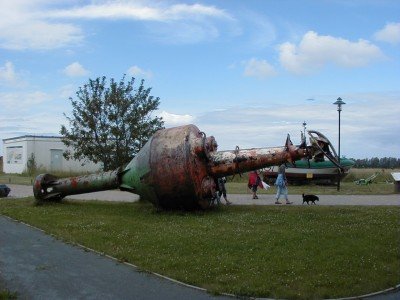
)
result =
(247, 72)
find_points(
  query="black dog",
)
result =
(308, 198)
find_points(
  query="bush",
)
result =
(31, 165)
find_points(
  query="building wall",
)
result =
(48, 155)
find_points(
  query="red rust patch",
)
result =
(37, 184)
(74, 182)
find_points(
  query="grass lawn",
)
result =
(7, 295)
(15, 179)
(299, 252)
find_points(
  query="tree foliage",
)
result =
(110, 124)
(31, 165)
(375, 162)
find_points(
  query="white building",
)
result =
(48, 154)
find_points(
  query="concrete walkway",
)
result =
(38, 266)
(19, 191)
(269, 199)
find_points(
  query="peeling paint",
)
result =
(176, 169)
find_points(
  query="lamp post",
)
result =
(303, 138)
(339, 102)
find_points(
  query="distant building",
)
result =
(396, 177)
(48, 154)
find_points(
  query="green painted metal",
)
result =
(135, 178)
(304, 163)
(176, 169)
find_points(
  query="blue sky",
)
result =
(247, 72)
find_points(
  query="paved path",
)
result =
(269, 199)
(18, 191)
(38, 266)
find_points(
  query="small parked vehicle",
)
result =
(4, 190)
(366, 181)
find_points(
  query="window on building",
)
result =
(14, 155)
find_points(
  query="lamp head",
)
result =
(339, 102)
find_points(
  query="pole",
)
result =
(338, 181)
(339, 102)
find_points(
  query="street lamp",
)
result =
(303, 138)
(339, 102)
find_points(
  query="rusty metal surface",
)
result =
(47, 186)
(178, 166)
(176, 169)
(238, 161)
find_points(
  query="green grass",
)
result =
(26, 179)
(262, 251)
(7, 295)
(15, 179)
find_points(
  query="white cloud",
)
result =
(66, 91)
(245, 126)
(34, 123)
(390, 33)
(39, 35)
(315, 51)
(174, 24)
(23, 27)
(267, 126)
(7, 73)
(258, 68)
(195, 10)
(183, 32)
(75, 70)
(136, 71)
(172, 120)
(45, 24)
(30, 112)
(138, 11)
(22, 101)
(255, 126)
(255, 30)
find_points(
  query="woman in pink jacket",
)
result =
(254, 182)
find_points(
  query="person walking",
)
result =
(254, 182)
(222, 190)
(281, 184)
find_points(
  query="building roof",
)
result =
(396, 176)
(33, 136)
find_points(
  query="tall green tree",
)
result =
(110, 123)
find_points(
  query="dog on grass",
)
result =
(310, 198)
